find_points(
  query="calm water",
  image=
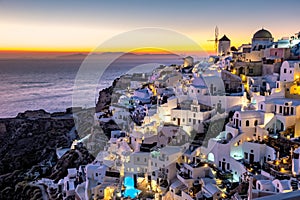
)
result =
(48, 84)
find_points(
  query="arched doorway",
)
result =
(229, 136)
(279, 125)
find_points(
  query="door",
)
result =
(178, 121)
(251, 160)
(223, 166)
(236, 123)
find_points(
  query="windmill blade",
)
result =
(217, 32)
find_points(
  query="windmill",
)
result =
(216, 40)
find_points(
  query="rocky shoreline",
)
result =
(29, 143)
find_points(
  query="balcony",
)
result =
(184, 175)
(232, 128)
(278, 169)
(196, 164)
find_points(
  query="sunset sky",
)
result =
(78, 26)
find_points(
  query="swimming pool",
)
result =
(130, 191)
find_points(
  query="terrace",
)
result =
(281, 169)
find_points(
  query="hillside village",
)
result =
(226, 127)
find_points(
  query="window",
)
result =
(261, 106)
(246, 155)
(195, 109)
(280, 109)
(255, 123)
(137, 159)
(190, 119)
(183, 120)
(174, 119)
(292, 110)
(290, 71)
(194, 115)
(251, 71)
(228, 166)
(284, 70)
(247, 122)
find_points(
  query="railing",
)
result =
(196, 164)
(184, 175)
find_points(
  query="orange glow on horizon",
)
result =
(87, 51)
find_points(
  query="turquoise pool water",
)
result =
(130, 191)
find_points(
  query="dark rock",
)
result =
(71, 159)
(28, 148)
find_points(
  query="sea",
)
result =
(32, 84)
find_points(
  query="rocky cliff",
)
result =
(105, 97)
(28, 152)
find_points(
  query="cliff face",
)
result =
(28, 139)
(108, 96)
(105, 96)
(28, 147)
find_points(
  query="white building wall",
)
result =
(286, 72)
